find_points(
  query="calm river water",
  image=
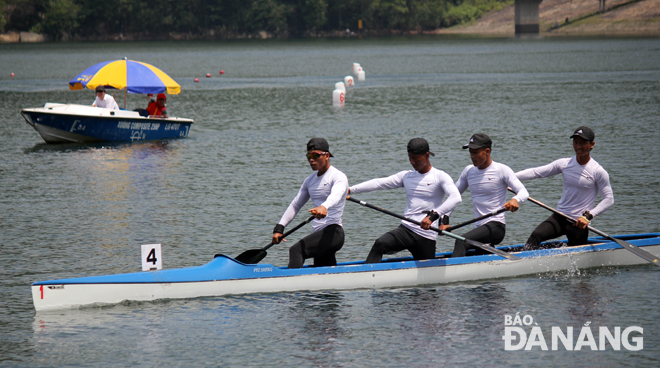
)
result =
(71, 210)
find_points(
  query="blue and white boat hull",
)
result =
(224, 275)
(69, 123)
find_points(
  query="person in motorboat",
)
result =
(426, 188)
(584, 179)
(104, 100)
(488, 181)
(143, 112)
(158, 107)
(327, 188)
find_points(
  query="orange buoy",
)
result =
(12, 74)
(196, 80)
(208, 75)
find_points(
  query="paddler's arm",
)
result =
(337, 196)
(551, 169)
(453, 199)
(390, 182)
(605, 189)
(319, 212)
(582, 222)
(277, 237)
(428, 221)
(512, 181)
(512, 205)
(301, 198)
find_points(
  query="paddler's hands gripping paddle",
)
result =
(473, 243)
(253, 256)
(477, 219)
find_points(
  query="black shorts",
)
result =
(320, 245)
(554, 227)
(400, 239)
(491, 233)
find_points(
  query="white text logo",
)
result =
(516, 337)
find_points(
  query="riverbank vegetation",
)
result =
(166, 19)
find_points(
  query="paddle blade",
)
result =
(251, 256)
(639, 252)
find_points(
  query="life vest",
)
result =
(153, 109)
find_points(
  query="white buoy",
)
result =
(348, 81)
(356, 66)
(341, 86)
(338, 97)
(361, 76)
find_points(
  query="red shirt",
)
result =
(153, 109)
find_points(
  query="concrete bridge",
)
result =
(527, 16)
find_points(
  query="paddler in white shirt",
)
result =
(583, 178)
(327, 188)
(426, 188)
(488, 182)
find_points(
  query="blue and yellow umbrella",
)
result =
(134, 76)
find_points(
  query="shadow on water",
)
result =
(73, 147)
(321, 329)
(437, 323)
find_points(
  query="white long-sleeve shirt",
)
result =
(328, 190)
(488, 188)
(581, 185)
(424, 192)
(107, 102)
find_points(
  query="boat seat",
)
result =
(142, 112)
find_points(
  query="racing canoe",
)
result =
(224, 275)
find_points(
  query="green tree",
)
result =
(306, 16)
(59, 19)
(267, 15)
(153, 19)
(463, 11)
(3, 20)
(313, 13)
(428, 14)
(389, 14)
(21, 15)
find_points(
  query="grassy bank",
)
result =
(636, 17)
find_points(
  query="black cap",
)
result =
(319, 144)
(419, 146)
(584, 132)
(100, 89)
(479, 140)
